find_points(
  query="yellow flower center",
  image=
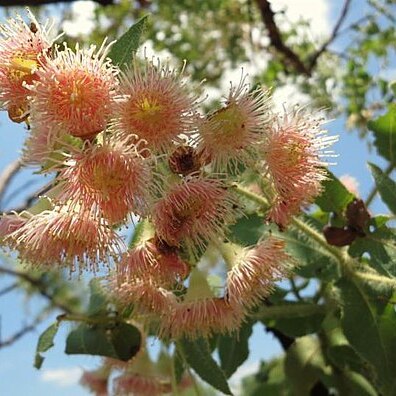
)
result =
(148, 109)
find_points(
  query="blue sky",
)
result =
(60, 372)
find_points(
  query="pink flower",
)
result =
(95, 381)
(145, 294)
(139, 385)
(161, 264)
(252, 277)
(154, 105)
(293, 150)
(75, 92)
(351, 184)
(10, 223)
(201, 318)
(65, 236)
(194, 211)
(113, 176)
(231, 134)
(22, 47)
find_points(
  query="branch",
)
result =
(8, 289)
(38, 284)
(19, 334)
(29, 201)
(13, 3)
(276, 40)
(333, 35)
(9, 172)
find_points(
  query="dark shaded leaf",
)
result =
(369, 323)
(234, 349)
(197, 355)
(121, 341)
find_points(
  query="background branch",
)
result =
(38, 284)
(276, 41)
(333, 35)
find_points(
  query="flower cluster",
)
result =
(133, 143)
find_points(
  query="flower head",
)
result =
(74, 91)
(96, 381)
(22, 49)
(201, 318)
(113, 176)
(65, 236)
(153, 261)
(293, 150)
(256, 269)
(141, 385)
(232, 133)
(194, 212)
(154, 105)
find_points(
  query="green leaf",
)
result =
(121, 341)
(313, 261)
(248, 230)
(97, 299)
(197, 355)
(380, 244)
(369, 323)
(122, 51)
(355, 384)
(386, 186)
(334, 197)
(234, 349)
(178, 366)
(384, 129)
(304, 365)
(45, 342)
(345, 357)
(297, 326)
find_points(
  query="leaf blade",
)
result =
(121, 53)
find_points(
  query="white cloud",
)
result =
(62, 377)
(316, 11)
(82, 19)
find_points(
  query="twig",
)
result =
(31, 198)
(38, 285)
(333, 35)
(8, 288)
(19, 334)
(8, 173)
(276, 40)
